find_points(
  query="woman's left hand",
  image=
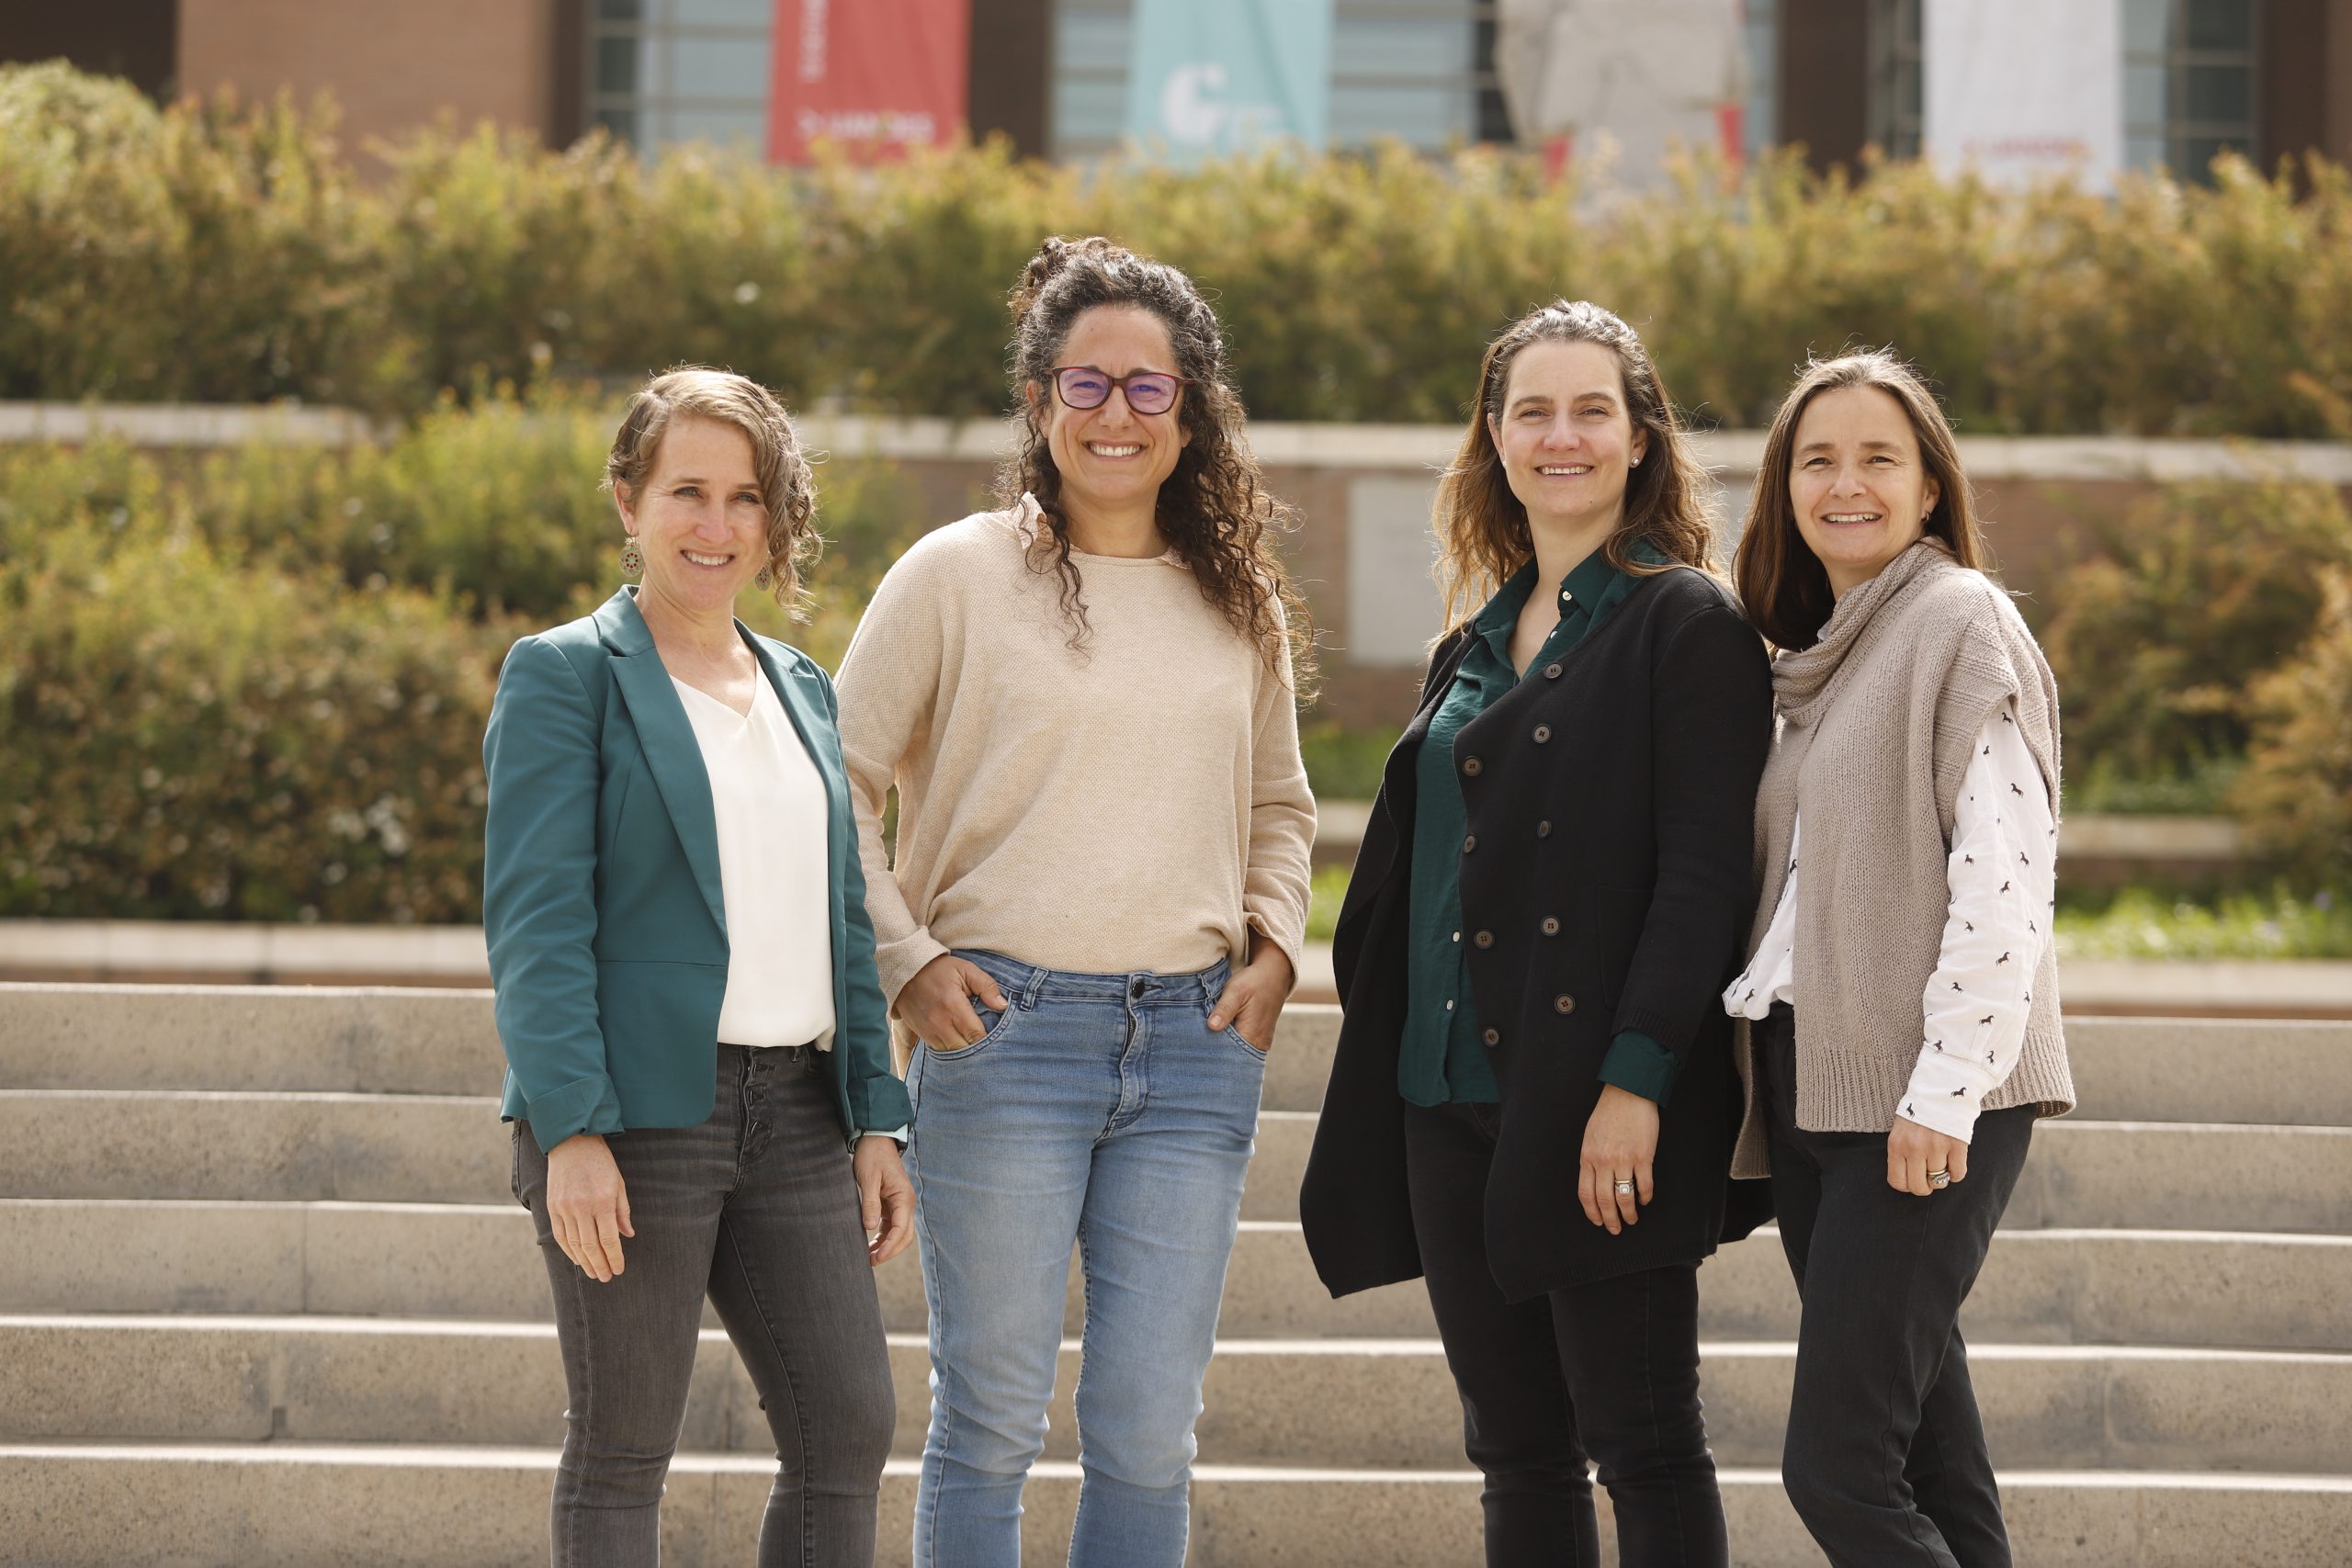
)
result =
(1253, 999)
(885, 1196)
(1913, 1152)
(1620, 1142)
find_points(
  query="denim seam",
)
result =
(792, 1380)
(926, 1524)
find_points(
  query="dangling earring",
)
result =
(632, 559)
(765, 578)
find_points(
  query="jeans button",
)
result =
(1136, 989)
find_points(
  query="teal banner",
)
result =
(1208, 77)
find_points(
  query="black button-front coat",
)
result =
(1611, 795)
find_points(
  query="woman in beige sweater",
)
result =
(1085, 700)
(1900, 1031)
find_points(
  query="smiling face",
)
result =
(699, 517)
(1567, 441)
(1860, 492)
(1111, 458)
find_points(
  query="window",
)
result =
(2189, 83)
(1760, 119)
(667, 70)
(1893, 94)
(1421, 71)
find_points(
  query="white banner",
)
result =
(2020, 90)
(1620, 83)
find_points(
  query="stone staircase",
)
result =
(273, 1306)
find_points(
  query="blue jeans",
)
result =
(1099, 1109)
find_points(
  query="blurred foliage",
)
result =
(186, 734)
(252, 684)
(2140, 923)
(208, 251)
(1344, 763)
(2296, 793)
(2171, 612)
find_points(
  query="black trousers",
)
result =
(1885, 1457)
(1607, 1372)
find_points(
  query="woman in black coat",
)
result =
(1532, 1103)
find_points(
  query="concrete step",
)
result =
(198, 1143)
(451, 1149)
(294, 1504)
(1364, 1403)
(402, 1041)
(2130, 1287)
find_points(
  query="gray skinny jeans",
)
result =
(756, 1208)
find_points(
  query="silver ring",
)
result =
(1624, 1188)
(1939, 1179)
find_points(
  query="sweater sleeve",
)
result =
(887, 689)
(1277, 880)
(2001, 870)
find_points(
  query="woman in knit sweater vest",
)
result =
(1532, 1102)
(1085, 701)
(1898, 1015)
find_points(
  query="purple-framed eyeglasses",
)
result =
(1148, 391)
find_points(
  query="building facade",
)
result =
(2271, 78)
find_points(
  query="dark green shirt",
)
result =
(1440, 1057)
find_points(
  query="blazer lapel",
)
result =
(667, 737)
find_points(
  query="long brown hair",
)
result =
(1482, 533)
(1214, 507)
(1781, 582)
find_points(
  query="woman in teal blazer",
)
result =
(697, 1048)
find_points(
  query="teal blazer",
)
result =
(601, 894)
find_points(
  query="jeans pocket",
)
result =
(994, 1022)
(1234, 1033)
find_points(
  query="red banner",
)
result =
(874, 77)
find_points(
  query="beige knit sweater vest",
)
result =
(1877, 721)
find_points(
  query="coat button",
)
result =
(1485, 939)
(1552, 670)
(1543, 733)
(1551, 925)
(1544, 829)
(1472, 766)
(1493, 1037)
(1564, 1003)
(1469, 843)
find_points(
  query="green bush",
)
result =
(2172, 611)
(186, 735)
(2295, 795)
(204, 251)
(495, 502)
(252, 685)
(198, 253)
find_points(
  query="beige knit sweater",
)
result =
(1135, 803)
(1877, 723)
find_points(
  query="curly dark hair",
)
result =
(1214, 508)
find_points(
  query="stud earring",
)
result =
(1637, 462)
(632, 559)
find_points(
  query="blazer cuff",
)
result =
(881, 1103)
(1639, 1065)
(585, 1105)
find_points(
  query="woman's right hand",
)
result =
(937, 1003)
(588, 1205)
